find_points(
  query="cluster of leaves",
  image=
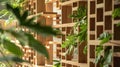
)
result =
(57, 63)
(106, 59)
(5, 14)
(72, 39)
(116, 13)
(105, 37)
(70, 43)
(24, 38)
(81, 13)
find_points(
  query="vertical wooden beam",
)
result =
(40, 58)
(40, 6)
(49, 22)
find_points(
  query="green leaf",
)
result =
(25, 15)
(98, 52)
(85, 50)
(106, 59)
(57, 63)
(29, 23)
(81, 12)
(3, 13)
(116, 13)
(44, 30)
(15, 11)
(10, 46)
(70, 40)
(105, 40)
(19, 35)
(12, 58)
(56, 60)
(70, 50)
(36, 45)
(104, 37)
(108, 55)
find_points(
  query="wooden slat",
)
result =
(116, 54)
(92, 32)
(64, 25)
(110, 43)
(93, 15)
(99, 23)
(74, 9)
(100, 5)
(70, 2)
(74, 63)
(108, 13)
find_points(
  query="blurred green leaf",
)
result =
(57, 63)
(70, 40)
(10, 46)
(85, 49)
(36, 45)
(19, 35)
(108, 55)
(116, 13)
(15, 11)
(12, 58)
(29, 23)
(81, 12)
(56, 60)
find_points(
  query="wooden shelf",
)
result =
(74, 9)
(53, 42)
(49, 14)
(58, 48)
(92, 60)
(92, 32)
(75, 63)
(100, 5)
(70, 2)
(108, 13)
(64, 25)
(50, 1)
(92, 15)
(99, 23)
(116, 54)
(111, 43)
(57, 20)
(116, 21)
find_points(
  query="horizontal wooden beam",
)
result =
(64, 25)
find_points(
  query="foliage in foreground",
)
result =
(5, 14)
(24, 38)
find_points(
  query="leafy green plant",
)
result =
(106, 59)
(5, 14)
(116, 13)
(57, 63)
(72, 40)
(24, 38)
(70, 43)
